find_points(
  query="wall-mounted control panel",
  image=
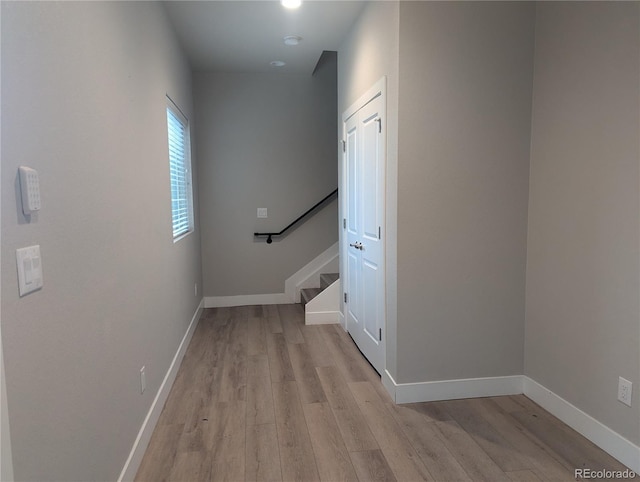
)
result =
(30, 187)
(29, 269)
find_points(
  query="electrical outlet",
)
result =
(262, 212)
(143, 380)
(624, 391)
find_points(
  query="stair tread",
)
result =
(307, 294)
(327, 279)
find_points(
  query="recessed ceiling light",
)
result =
(277, 63)
(292, 40)
(291, 3)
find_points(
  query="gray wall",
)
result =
(83, 102)
(264, 140)
(464, 136)
(368, 53)
(582, 318)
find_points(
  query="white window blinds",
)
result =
(180, 171)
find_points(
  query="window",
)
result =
(180, 171)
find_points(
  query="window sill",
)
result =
(182, 236)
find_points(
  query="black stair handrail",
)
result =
(298, 219)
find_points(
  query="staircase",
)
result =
(326, 279)
(321, 305)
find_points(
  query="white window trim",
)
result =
(175, 110)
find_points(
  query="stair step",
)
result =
(327, 279)
(307, 294)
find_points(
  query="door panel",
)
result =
(369, 177)
(352, 188)
(353, 306)
(370, 287)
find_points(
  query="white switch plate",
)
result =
(262, 212)
(29, 269)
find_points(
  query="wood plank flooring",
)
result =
(262, 397)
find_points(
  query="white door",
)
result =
(364, 166)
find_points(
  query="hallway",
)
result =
(261, 396)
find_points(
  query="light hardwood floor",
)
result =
(261, 396)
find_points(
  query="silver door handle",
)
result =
(357, 245)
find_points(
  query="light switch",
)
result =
(29, 269)
(262, 212)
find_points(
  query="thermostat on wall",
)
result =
(30, 187)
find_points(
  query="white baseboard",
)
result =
(132, 464)
(311, 271)
(322, 318)
(390, 385)
(247, 300)
(611, 442)
(451, 389)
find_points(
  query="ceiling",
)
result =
(244, 36)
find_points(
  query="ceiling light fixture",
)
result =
(277, 63)
(291, 3)
(292, 40)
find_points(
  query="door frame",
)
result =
(378, 89)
